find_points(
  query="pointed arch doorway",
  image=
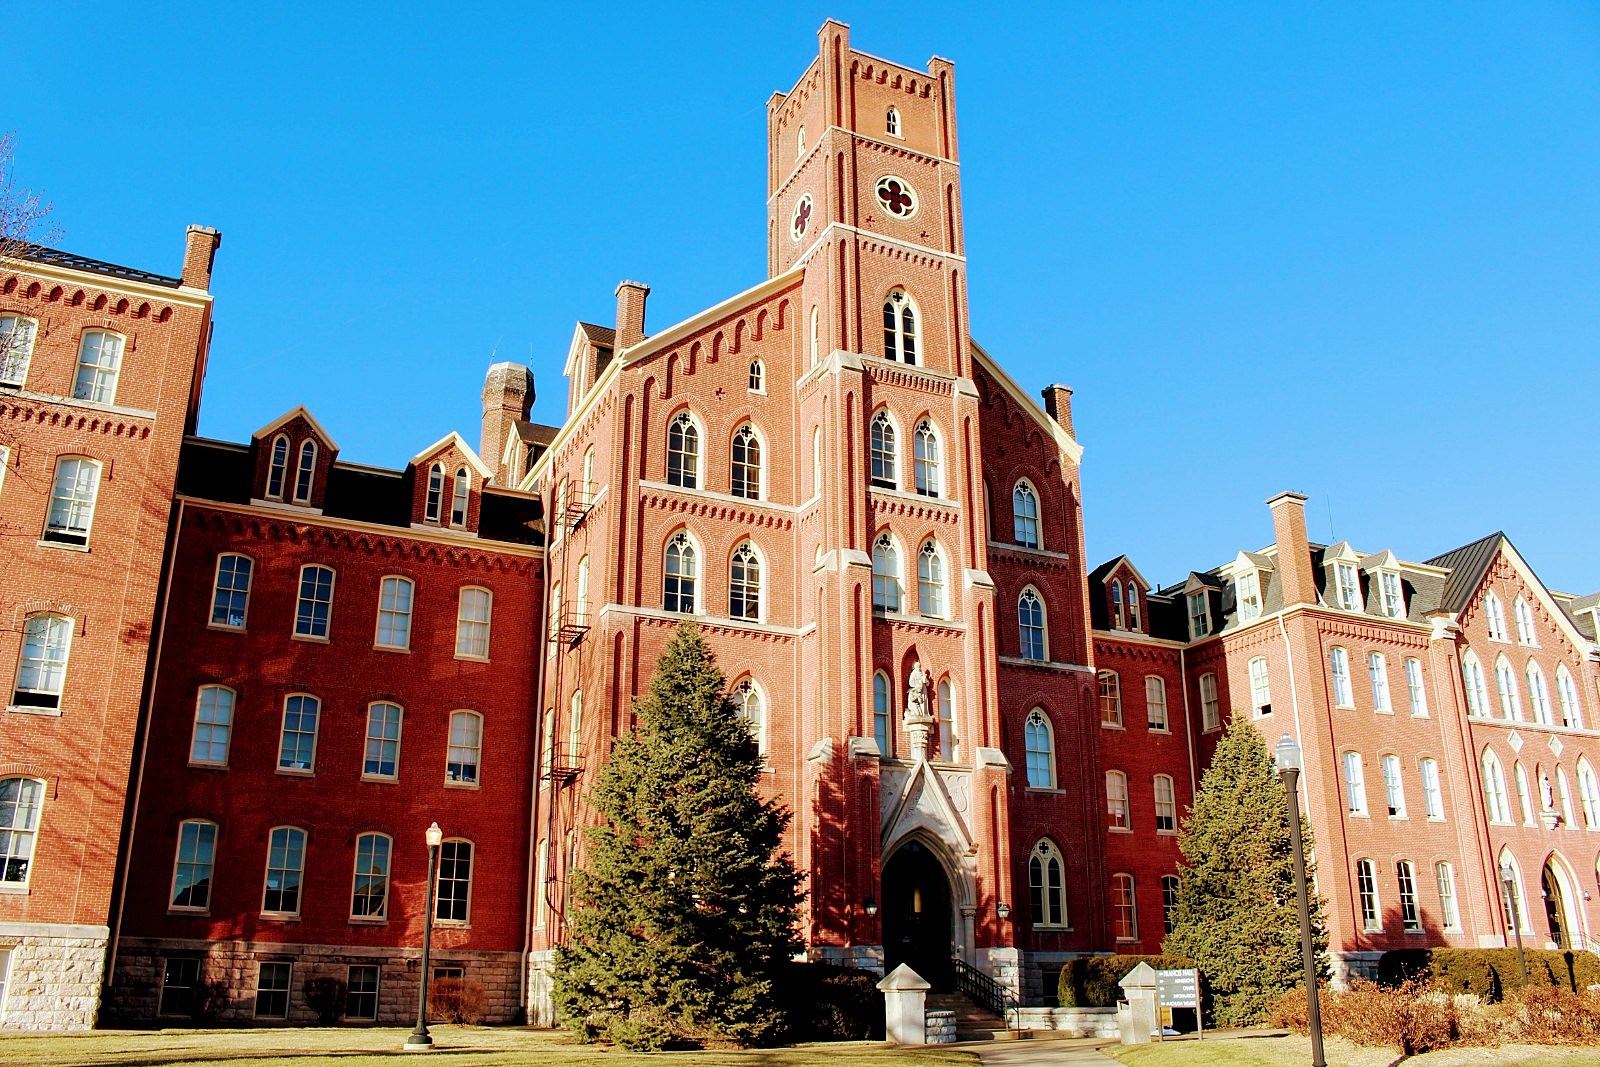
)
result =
(1559, 917)
(918, 915)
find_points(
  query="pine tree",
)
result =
(1237, 916)
(685, 910)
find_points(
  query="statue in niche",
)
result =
(917, 694)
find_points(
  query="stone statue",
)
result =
(917, 694)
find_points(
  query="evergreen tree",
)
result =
(685, 911)
(1237, 916)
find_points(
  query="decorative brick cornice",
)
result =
(43, 412)
(909, 509)
(716, 510)
(372, 541)
(17, 286)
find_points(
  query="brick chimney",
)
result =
(507, 397)
(1058, 405)
(199, 251)
(1294, 550)
(630, 313)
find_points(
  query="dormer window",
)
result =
(1347, 583)
(1393, 594)
(435, 493)
(1116, 604)
(1247, 592)
(458, 499)
(278, 467)
(1199, 615)
(305, 471)
(1133, 607)
(891, 122)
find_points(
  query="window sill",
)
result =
(461, 785)
(1052, 928)
(65, 546)
(1435, 818)
(381, 779)
(369, 920)
(191, 912)
(1358, 815)
(1402, 817)
(201, 765)
(225, 628)
(391, 648)
(1167, 730)
(1345, 707)
(295, 772)
(280, 917)
(1111, 725)
(452, 924)
(1119, 829)
(25, 709)
(1166, 833)
(9, 890)
(475, 659)
(310, 639)
(1045, 789)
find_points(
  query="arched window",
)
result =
(541, 882)
(1367, 891)
(286, 864)
(1116, 604)
(72, 496)
(297, 744)
(1124, 910)
(899, 327)
(1110, 698)
(1495, 615)
(434, 504)
(1539, 694)
(1355, 784)
(394, 612)
(891, 122)
(1445, 877)
(1039, 744)
(1524, 616)
(277, 467)
(369, 895)
(466, 747)
(99, 361)
(1155, 702)
(753, 710)
(1025, 515)
(930, 581)
(883, 452)
(458, 499)
(925, 444)
(746, 477)
(314, 606)
(816, 335)
(1494, 788)
(1166, 805)
(473, 612)
(744, 584)
(382, 757)
(816, 461)
(800, 142)
(758, 377)
(452, 903)
(1505, 679)
(1567, 692)
(1031, 626)
(213, 726)
(192, 866)
(20, 800)
(1524, 797)
(949, 742)
(882, 724)
(1047, 885)
(682, 571)
(1589, 794)
(588, 476)
(885, 574)
(42, 670)
(16, 348)
(1378, 672)
(1477, 690)
(1339, 665)
(1511, 871)
(1133, 607)
(683, 452)
(1410, 915)
(305, 471)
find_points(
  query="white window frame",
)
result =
(24, 815)
(379, 913)
(883, 451)
(217, 592)
(1588, 794)
(690, 462)
(1567, 693)
(299, 872)
(472, 745)
(1476, 685)
(883, 714)
(1166, 795)
(468, 628)
(758, 377)
(15, 355)
(1260, 687)
(287, 990)
(391, 610)
(927, 460)
(1432, 789)
(1505, 679)
(752, 705)
(212, 726)
(1391, 592)
(1047, 898)
(1527, 632)
(1109, 683)
(1039, 745)
(433, 500)
(1524, 794)
(1124, 902)
(52, 641)
(439, 900)
(1247, 594)
(888, 591)
(1032, 595)
(277, 467)
(949, 733)
(1355, 784)
(1378, 674)
(1394, 789)
(1449, 908)
(1339, 666)
(1367, 894)
(461, 498)
(680, 580)
(1199, 620)
(305, 472)
(1347, 585)
(1155, 704)
(1405, 874)
(1119, 813)
(931, 599)
(1210, 705)
(1539, 694)
(306, 631)
(69, 519)
(746, 571)
(97, 381)
(1026, 520)
(315, 732)
(899, 341)
(193, 865)
(1497, 805)
(381, 740)
(1416, 692)
(747, 455)
(1494, 614)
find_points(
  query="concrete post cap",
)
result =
(904, 979)
(1141, 977)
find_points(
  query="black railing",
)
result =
(985, 992)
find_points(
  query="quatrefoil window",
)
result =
(896, 197)
(802, 218)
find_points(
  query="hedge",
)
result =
(827, 1003)
(1488, 972)
(1091, 981)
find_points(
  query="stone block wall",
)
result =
(55, 974)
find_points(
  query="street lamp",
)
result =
(420, 1040)
(1288, 761)
(1508, 879)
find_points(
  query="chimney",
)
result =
(1294, 550)
(199, 251)
(507, 398)
(1058, 405)
(630, 313)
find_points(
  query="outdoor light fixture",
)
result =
(420, 1040)
(1287, 754)
(871, 906)
(1287, 758)
(1003, 910)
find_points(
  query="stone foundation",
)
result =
(135, 991)
(55, 975)
(541, 1009)
(1349, 966)
(1079, 1022)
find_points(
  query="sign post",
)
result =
(1181, 989)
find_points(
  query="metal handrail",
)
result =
(984, 991)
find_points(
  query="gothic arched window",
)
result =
(682, 570)
(746, 463)
(925, 447)
(885, 574)
(683, 452)
(1046, 885)
(744, 584)
(883, 452)
(900, 327)
(930, 581)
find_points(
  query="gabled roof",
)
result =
(467, 450)
(1340, 550)
(1468, 564)
(1386, 560)
(1102, 572)
(299, 411)
(57, 258)
(587, 333)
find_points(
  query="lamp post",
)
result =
(1508, 879)
(1287, 758)
(420, 1040)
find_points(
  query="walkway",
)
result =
(1046, 1052)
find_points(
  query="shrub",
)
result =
(456, 1000)
(1292, 1012)
(1412, 1018)
(827, 1003)
(1489, 973)
(1091, 981)
(325, 996)
(1551, 1015)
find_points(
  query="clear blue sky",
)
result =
(1352, 250)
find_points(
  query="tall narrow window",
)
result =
(1393, 789)
(1117, 620)
(1339, 664)
(581, 605)
(472, 623)
(1110, 698)
(1505, 680)
(1210, 705)
(99, 361)
(575, 723)
(885, 574)
(816, 335)
(758, 377)
(1166, 805)
(1515, 911)
(1539, 695)
(1133, 607)
(1124, 911)
(1477, 691)
(1494, 789)
(1367, 890)
(1565, 792)
(273, 981)
(1355, 784)
(1415, 694)
(1199, 615)
(883, 452)
(213, 726)
(369, 895)
(297, 748)
(1039, 745)
(882, 712)
(1378, 671)
(1432, 797)
(1448, 911)
(1155, 702)
(277, 467)
(382, 758)
(1046, 885)
(434, 505)
(1524, 797)
(744, 584)
(1348, 581)
(925, 447)
(1524, 616)
(315, 602)
(230, 593)
(286, 860)
(466, 746)
(1031, 626)
(20, 800)
(1260, 687)
(1117, 801)
(1025, 515)
(949, 740)
(1247, 591)
(361, 992)
(454, 899)
(746, 463)
(305, 472)
(16, 349)
(1394, 601)
(891, 122)
(72, 496)
(753, 711)
(1589, 794)
(394, 612)
(682, 571)
(899, 327)
(1567, 691)
(930, 581)
(1494, 614)
(459, 497)
(1169, 902)
(42, 671)
(683, 452)
(1410, 916)
(816, 461)
(191, 868)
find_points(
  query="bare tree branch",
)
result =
(24, 214)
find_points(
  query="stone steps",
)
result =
(972, 1022)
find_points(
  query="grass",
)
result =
(1270, 1051)
(456, 1046)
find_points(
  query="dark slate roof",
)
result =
(57, 258)
(600, 335)
(1099, 573)
(1468, 564)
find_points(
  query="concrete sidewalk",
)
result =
(1040, 1053)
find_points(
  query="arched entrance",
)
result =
(918, 921)
(1558, 900)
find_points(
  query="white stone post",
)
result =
(1137, 1020)
(905, 1019)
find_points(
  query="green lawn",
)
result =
(1236, 1051)
(456, 1046)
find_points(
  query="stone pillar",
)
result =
(905, 994)
(1136, 1017)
